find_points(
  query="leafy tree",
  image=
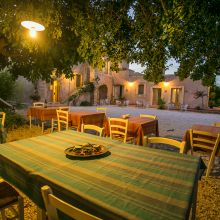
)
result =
(7, 84)
(148, 32)
(53, 48)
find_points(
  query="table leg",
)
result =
(30, 120)
(193, 217)
(41, 214)
(52, 126)
(42, 127)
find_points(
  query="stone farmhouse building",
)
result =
(123, 87)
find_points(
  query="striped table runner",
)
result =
(133, 182)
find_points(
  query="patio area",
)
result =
(172, 124)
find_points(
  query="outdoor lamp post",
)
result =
(33, 27)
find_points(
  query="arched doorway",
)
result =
(102, 95)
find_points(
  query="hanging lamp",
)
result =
(33, 27)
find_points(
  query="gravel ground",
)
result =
(171, 123)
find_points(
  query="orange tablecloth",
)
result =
(42, 113)
(208, 128)
(94, 118)
(139, 127)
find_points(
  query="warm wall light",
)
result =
(33, 27)
(166, 84)
(130, 83)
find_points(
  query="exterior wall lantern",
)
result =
(166, 84)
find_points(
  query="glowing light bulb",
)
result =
(33, 33)
(166, 84)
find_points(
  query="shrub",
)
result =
(13, 120)
(161, 103)
(85, 103)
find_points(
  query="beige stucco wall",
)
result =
(188, 87)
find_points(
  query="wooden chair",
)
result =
(54, 121)
(95, 128)
(216, 124)
(207, 142)
(8, 198)
(119, 130)
(101, 109)
(52, 203)
(62, 119)
(171, 142)
(38, 104)
(148, 116)
(2, 118)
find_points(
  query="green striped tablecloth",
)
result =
(133, 182)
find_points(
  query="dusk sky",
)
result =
(138, 68)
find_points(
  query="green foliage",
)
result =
(7, 84)
(147, 32)
(88, 87)
(161, 103)
(214, 96)
(13, 120)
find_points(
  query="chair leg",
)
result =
(21, 208)
(41, 214)
(210, 165)
(193, 217)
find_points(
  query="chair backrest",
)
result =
(171, 142)
(216, 124)
(62, 119)
(204, 140)
(92, 128)
(52, 203)
(38, 104)
(118, 128)
(148, 116)
(101, 109)
(2, 118)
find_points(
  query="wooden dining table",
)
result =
(42, 114)
(201, 127)
(128, 182)
(139, 127)
(75, 118)
(87, 117)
